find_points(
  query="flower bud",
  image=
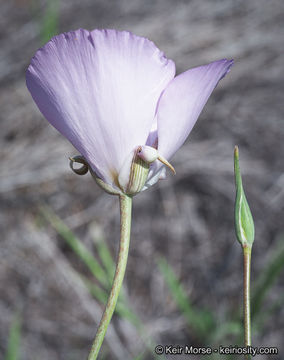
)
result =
(244, 224)
(85, 168)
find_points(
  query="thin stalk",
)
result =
(246, 304)
(125, 226)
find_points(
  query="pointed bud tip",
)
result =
(236, 151)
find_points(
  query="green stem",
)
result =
(125, 226)
(246, 305)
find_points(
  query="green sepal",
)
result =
(244, 224)
(139, 171)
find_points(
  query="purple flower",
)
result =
(114, 95)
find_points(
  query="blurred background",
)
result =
(59, 231)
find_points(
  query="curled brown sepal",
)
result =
(85, 168)
(81, 160)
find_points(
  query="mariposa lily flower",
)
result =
(115, 97)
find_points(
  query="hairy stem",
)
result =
(246, 304)
(125, 226)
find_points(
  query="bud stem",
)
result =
(125, 202)
(246, 296)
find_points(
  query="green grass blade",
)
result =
(76, 245)
(106, 259)
(104, 254)
(13, 348)
(268, 278)
(200, 321)
(225, 329)
(103, 274)
(49, 22)
(121, 308)
(140, 356)
(97, 292)
(93, 265)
